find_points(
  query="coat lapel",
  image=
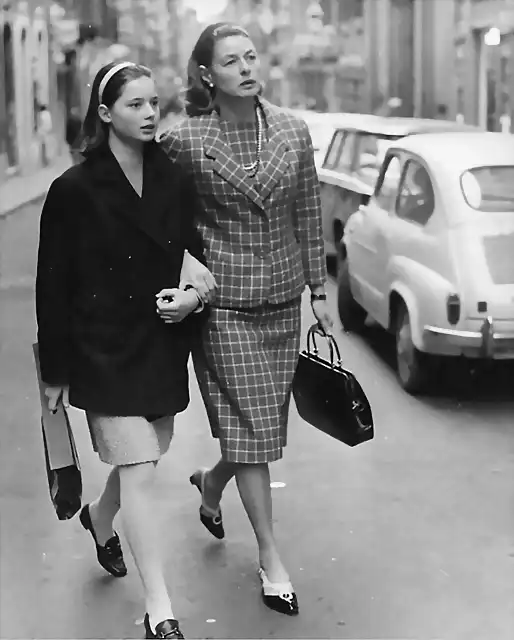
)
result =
(146, 212)
(224, 162)
(276, 155)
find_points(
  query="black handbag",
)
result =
(329, 397)
(61, 457)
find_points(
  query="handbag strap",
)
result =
(332, 344)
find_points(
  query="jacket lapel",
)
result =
(224, 162)
(145, 212)
(276, 157)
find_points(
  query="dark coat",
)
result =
(104, 253)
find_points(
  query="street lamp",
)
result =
(492, 37)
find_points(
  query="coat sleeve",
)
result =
(53, 285)
(307, 215)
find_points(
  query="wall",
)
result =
(31, 69)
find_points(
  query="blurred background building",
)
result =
(431, 58)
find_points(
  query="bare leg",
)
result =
(104, 509)
(253, 483)
(144, 537)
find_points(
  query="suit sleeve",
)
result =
(171, 143)
(307, 215)
(53, 285)
(193, 210)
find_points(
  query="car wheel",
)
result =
(412, 365)
(352, 315)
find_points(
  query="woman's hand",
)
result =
(173, 305)
(322, 315)
(195, 273)
(54, 394)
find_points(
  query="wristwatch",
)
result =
(318, 296)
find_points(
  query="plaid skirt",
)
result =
(245, 364)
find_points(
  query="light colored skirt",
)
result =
(124, 440)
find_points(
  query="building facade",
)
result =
(444, 59)
(27, 82)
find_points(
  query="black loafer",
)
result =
(165, 629)
(279, 597)
(211, 519)
(110, 556)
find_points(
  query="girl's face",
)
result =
(235, 68)
(135, 114)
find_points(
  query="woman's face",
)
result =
(135, 114)
(235, 68)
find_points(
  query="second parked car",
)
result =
(350, 168)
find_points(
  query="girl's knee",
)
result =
(137, 476)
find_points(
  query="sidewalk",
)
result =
(21, 190)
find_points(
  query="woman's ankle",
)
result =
(159, 610)
(103, 527)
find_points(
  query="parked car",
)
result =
(321, 127)
(350, 168)
(430, 257)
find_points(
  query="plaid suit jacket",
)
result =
(263, 243)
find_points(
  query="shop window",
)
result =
(416, 200)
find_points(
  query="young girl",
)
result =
(114, 230)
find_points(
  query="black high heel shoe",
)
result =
(210, 518)
(110, 555)
(165, 629)
(279, 596)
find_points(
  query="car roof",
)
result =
(399, 126)
(461, 150)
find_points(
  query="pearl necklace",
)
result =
(253, 168)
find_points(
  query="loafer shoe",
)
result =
(165, 629)
(110, 555)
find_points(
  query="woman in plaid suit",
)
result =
(253, 166)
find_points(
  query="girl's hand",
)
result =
(322, 315)
(54, 394)
(195, 273)
(173, 305)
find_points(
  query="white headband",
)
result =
(109, 75)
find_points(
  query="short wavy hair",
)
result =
(199, 96)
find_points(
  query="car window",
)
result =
(333, 152)
(370, 156)
(385, 195)
(489, 188)
(416, 200)
(345, 160)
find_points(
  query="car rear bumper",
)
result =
(489, 342)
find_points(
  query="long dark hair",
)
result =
(199, 96)
(94, 130)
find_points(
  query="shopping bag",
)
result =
(328, 396)
(61, 458)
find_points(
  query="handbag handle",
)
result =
(333, 346)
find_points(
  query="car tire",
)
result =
(351, 314)
(412, 365)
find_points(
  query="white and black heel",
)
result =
(279, 596)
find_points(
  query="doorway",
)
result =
(10, 96)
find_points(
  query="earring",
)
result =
(210, 85)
